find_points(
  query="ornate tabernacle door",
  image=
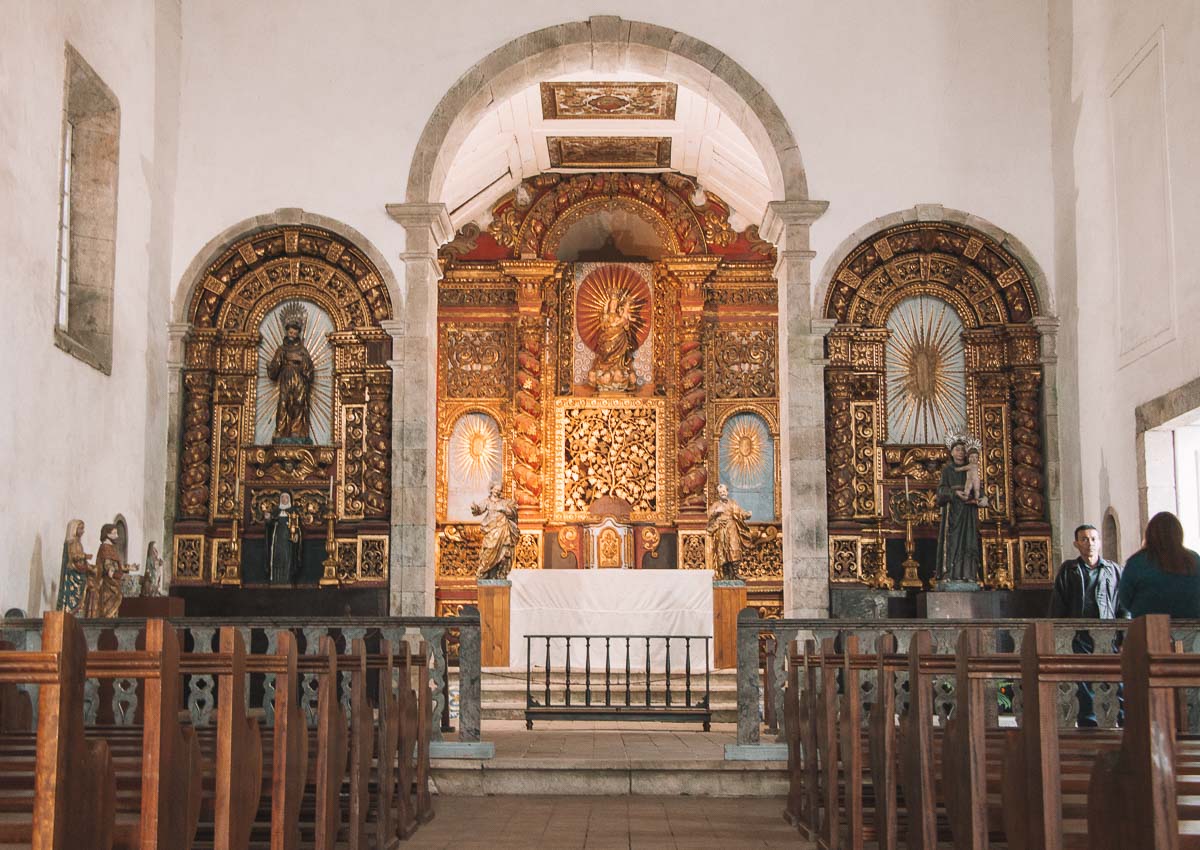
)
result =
(618, 339)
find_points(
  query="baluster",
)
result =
(244, 631)
(707, 693)
(268, 703)
(201, 698)
(567, 692)
(91, 688)
(668, 671)
(627, 671)
(356, 633)
(647, 672)
(587, 671)
(547, 671)
(528, 672)
(438, 672)
(687, 672)
(607, 671)
(125, 700)
(308, 682)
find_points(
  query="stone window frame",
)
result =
(1155, 421)
(91, 130)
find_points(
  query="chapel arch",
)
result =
(936, 325)
(602, 47)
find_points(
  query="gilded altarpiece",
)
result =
(234, 467)
(934, 331)
(609, 378)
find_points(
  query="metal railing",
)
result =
(669, 694)
(1006, 636)
(260, 634)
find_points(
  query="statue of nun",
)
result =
(283, 542)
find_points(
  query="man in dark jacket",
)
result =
(1086, 588)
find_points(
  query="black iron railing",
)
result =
(633, 687)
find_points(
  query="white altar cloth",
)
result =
(611, 602)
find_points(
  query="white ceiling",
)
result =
(509, 145)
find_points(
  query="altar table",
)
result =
(612, 602)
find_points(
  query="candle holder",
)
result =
(332, 562)
(909, 509)
(878, 576)
(1001, 578)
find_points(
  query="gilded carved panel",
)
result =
(744, 361)
(609, 100)
(476, 360)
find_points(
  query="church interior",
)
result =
(600, 426)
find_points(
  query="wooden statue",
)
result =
(728, 535)
(500, 534)
(102, 596)
(292, 368)
(72, 581)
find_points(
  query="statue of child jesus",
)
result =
(972, 490)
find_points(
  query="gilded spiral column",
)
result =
(1028, 479)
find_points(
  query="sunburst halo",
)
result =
(475, 449)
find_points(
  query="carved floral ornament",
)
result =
(531, 220)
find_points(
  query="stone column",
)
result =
(414, 408)
(802, 411)
(1047, 327)
(176, 337)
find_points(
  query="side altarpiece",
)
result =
(610, 465)
(236, 463)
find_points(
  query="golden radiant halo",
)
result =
(743, 452)
(600, 285)
(926, 380)
(475, 449)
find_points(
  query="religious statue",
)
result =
(958, 555)
(500, 534)
(728, 535)
(292, 368)
(283, 542)
(149, 585)
(72, 581)
(103, 594)
(616, 343)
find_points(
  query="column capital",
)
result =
(783, 214)
(417, 219)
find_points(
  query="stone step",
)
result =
(505, 710)
(524, 776)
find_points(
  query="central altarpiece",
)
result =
(607, 353)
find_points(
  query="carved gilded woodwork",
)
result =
(609, 100)
(188, 563)
(611, 447)
(692, 437)
(693, 551)
(609, 151)
(996, 302)
(373, 557)
(763, 561)
(222, 355)
(449, 413)
(458, 553)
(745, 361)
(768, 411)
(476, 360)
(527, 436)
(528, 554)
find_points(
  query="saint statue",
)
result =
(616, 343)
(958, 556)
(102, 597)
(149, 584)
(291, 368)
(728, 535)
(72, 581)
(500, 534)
(283, 542)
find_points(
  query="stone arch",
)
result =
(285, 217)
(934, 213)
(1110, 535)
(609, 43)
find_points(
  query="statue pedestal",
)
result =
(151, 606)
(979, 604)
(729, 598)
(494, 598)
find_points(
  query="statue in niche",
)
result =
(102, 597)
(72, 581)
(151, 576)
(284, 536)
(616, 344)
(291, 367)
(958, 555)
(728, 535)
(500, 534)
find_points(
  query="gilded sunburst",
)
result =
(475, 450)
(926, 371)
(604, 283)
(744, 462)
(317, 327)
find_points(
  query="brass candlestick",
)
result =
(908, 509)
(1001, 577)
(879, 578)
(332, 562)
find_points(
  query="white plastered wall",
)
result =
(77, 443)
(1127, 180)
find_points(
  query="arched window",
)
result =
(474, 459)
(926, 371)
(1110, 536)
(747, 464)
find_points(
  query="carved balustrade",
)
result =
(1006, 636)
(260, 635)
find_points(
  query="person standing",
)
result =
(1162, 577)
(1087, 587)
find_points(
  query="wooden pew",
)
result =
(882, 747)
(74, 788)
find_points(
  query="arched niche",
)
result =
(934, 295)
(1110, 535)
(747, 464)
(474, 458)
(230, 315)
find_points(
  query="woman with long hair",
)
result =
(1162, 577)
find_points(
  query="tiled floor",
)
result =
(598, 823)
(608, 741)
